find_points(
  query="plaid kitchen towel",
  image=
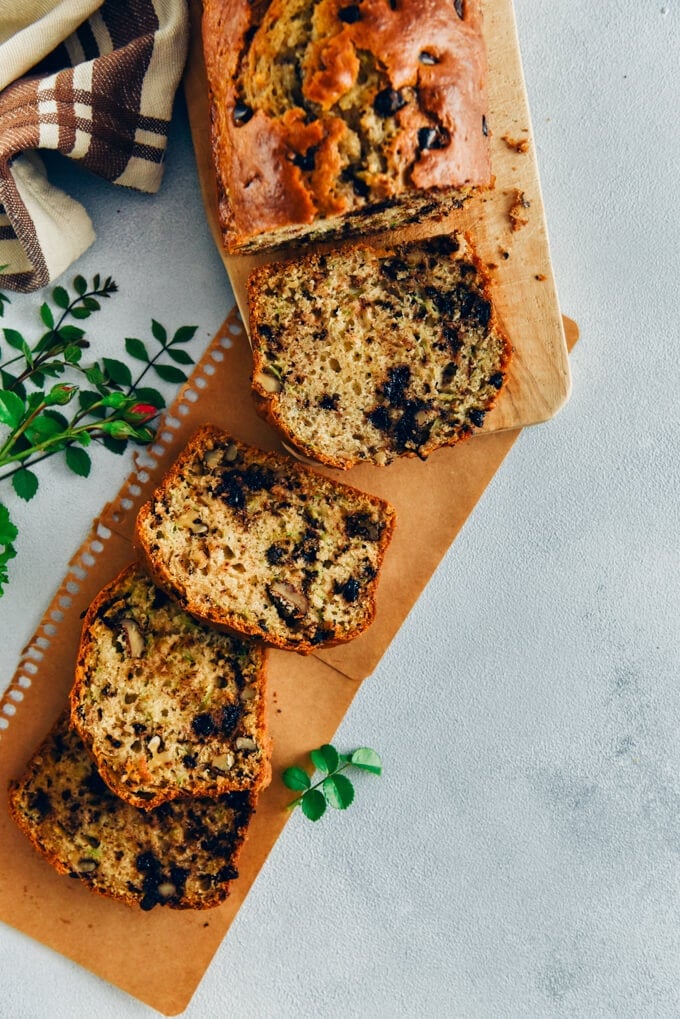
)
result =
(101, 94)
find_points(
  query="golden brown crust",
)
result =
(404, 83)
(221, 614)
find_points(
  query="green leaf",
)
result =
(78, 460)
(339, 791)
(180, 356)
(325, 758)
(170, 374)
(73, 354)
(12, 408)
(60, 297)
(70, 333)
(159, 332)
(367, 760)
(43, 427)
(152, 396)
(47, 316)
(117, 446)
(91, 303)
(117, 371)
(296, 778)
(80, 312)
(136, 349)
(95, 375)
(14, 338)
(80, 285)
(84, 438)
(184, 334)
(313, 804)
(8, 532)
(25, 484)
(59, 418)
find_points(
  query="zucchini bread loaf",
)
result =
(182, 854)
(167, 706)
(261, 545)
(331, 117)
(367, 354)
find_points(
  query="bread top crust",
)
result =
(288, 555)
(322, 109)
(167, 706)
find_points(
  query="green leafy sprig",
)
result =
(334, 789)
(106, 403)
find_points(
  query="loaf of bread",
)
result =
(167, 706)
(261, 545)
(367, 354)
(333, 118)
(183, 854)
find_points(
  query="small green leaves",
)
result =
(78, 461)
(25, 484)
(8, 534)
(107, 405)
(11, 408)
(334, 789)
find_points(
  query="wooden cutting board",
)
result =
(538, 382)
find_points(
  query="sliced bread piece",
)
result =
(182, 854)
(166, 705)
(260, 544)
(367, 354)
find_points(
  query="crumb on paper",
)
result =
(505, 255)
(541, 277)
(517, 144)
(516, 211)
(491, 266)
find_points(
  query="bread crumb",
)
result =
(517, 144)
(515, 212)
(540, 277)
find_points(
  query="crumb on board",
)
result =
(516, 211)
(516, 144)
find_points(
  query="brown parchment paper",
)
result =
(160, 957)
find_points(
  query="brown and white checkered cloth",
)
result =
(100, 88)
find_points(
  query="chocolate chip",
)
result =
(496, 380)
(322, 635)
(229, 489)
(449, 371)
(453, 340)
(350, 15)
(306, 161)
(328, 402)
(257, 478)
(362, 525)
(398, 379)
(148, 863)
(432, 138)
(203, 725)
(231, 713)
(477, 417)
(388, 102)
(393, 268)
(274, 554)
(443, 244)
(41, 803)
(349, 589)
(190, 761)
(380, 418)
(241, 114)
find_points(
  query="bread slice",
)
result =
(166, 705)
(182, 854)
(262, 545)
(366, 354)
